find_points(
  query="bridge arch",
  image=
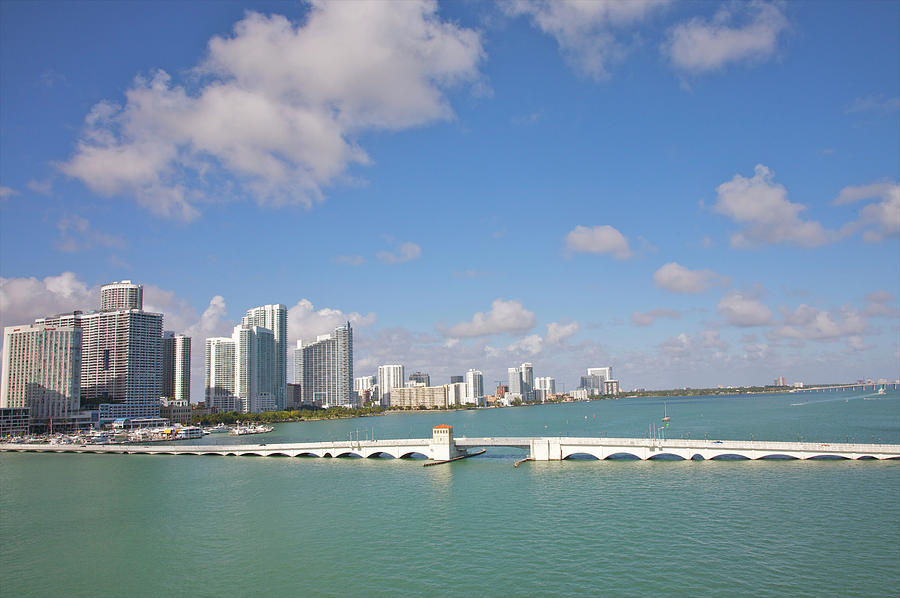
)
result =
(306, 454)
(582, 456)
(780, 456)
(349, 455)
(278, 455)
(413, 455)
(666, 457)
(380, 455)
(622, 456)
(729, 457)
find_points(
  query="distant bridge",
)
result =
(858, 386)
(538, 448)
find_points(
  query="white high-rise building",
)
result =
(527, 372)
(176, 362)
(604, 373)
(327, 367)
(274, 317)
(121, 295)
(389, 376)
(514, 376)
(220, 374)
(254, 368)
(474, 386)
(121, 353)
(457, 393)
(547, 384)
(42, 371)
(364, 383)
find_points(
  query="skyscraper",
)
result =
(420, 378)
(121, 295)
(274, 317)
(254, 368)
(327, 366)
(527, 372)
(42, 371)
(176, 364)
(219, 380)
(474, 386)
(514, 375)
(457, 379)
(389, 376)
(121, 353)
(547, 384)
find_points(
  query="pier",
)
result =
(444, 447)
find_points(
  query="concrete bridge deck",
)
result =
(538, 448)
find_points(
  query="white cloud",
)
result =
(761, 207)
(305, 322)
(76, 234)
(279, 108)
(530, 345)
(700, 45)
(404, 253)
(7, 192)
(811, 323)
(678, 279)
(586, 31)
(24, 299)
(647, 318)
(557, 332)
(744, 309)
(504, 316)
(879, 220)
(598, 239)
(875, 103)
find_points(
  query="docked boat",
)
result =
(666, 412)
(217, 429)
(243, 430)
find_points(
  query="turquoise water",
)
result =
(140, 525)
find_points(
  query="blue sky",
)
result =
(693, 193)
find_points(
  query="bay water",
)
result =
(145, 525)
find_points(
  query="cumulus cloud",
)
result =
(7, 192)
(678, 279)
(305, 322)
(280, 106)
(598, 239)
(530, 345)
(587, 32)
(24, 299)
(648, 317)
(76, 234)
(558, 332)
(744, 309)
(504, 316)
(878, 220)
(736, 33)
(811, 323)
(404, 253)
(760, 206)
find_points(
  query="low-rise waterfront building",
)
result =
(420, 396)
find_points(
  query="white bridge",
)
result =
(442, 447)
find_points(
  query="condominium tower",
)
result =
(42, 371)
(389, 377)
(121, 353)
(274, 317)
(176, 364)
(474, 386)
(327, 368)
(219, 381)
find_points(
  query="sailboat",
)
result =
(666, 412)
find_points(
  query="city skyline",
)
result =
(691, 213)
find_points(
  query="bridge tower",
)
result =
(443, 447)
